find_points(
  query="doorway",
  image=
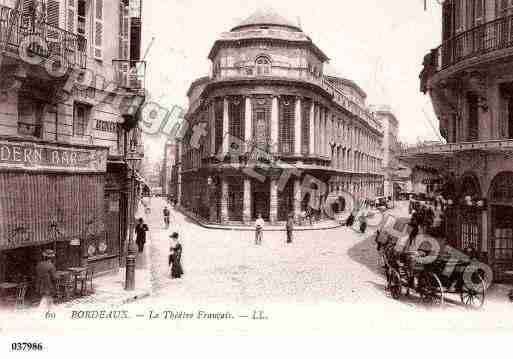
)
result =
(260, 192)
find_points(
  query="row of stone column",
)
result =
(247, 205)
(359, 188)
(323, 127)
(362, 188)
(350, 160)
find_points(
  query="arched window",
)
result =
(263, 66)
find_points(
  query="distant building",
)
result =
(391, 148)
(269, 111)
(167, 168)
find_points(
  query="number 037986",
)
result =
(21, 347)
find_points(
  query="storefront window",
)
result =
(503, 232)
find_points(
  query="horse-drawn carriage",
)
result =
(429, 267)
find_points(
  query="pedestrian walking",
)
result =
(166, 214)
(140, 231)
(290, 228)
(259, 227)
(175, 256)
(414, 230)
(350, 219)
(46, 279)
(363, 221)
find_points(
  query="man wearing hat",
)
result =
(290, 227)
(46, 278)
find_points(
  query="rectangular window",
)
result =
(81, 114)
(98, 30)
(305, 125)
(236, 115)
(81, 20)
(473, 117)
(124, 31)
(218, 113)
(504, 7)
(475, 13)
(287, 113)
(447, 20)
(261, 108)
(30, 117)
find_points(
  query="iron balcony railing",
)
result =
(46, 41)
(305, 75)
(130, 74)
(492, 36)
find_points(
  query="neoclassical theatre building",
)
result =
(268, 99)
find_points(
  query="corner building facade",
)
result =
(268, 102)
(469, 79)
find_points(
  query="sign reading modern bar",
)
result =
(41, 156)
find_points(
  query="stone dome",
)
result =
(267, 17)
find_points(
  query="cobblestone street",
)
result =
(226, 266)
(326, 266)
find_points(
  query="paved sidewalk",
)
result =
(110, 290)
(280, 226)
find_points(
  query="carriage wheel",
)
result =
(474, 297)
(430, 289)
(394, 284)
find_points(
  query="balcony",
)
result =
(130, 74)
(441, 149)
(283, 71)
(492, 36)
(56, 43)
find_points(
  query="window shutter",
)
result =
(52, 18)
(447, 14)
(98, 30)
(479, 12)
(52, 13)
(71, 16)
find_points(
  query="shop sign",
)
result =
(38, 157)
(74, 242)
(107, 126)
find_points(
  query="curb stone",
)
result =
(250, 228)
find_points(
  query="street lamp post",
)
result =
(132, 159)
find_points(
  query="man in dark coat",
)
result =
(46, 278)
(140, 231)
(290, 228)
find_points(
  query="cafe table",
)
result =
(5, 287)
(76, 272)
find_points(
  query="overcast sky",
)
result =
(379, 44)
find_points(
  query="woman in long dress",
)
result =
(175, 256)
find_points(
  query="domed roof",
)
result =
(268, 17)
